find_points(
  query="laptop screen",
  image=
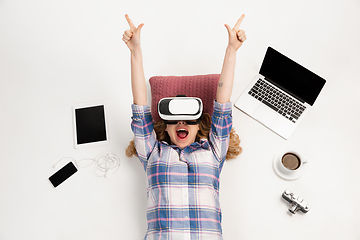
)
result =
(291, 77)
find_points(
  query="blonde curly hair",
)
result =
(204, 130)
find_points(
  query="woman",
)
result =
(183, 161)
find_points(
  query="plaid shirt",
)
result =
(183, 184)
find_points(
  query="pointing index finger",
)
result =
(237, 25)
(131, 24)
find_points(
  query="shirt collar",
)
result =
(203, 143)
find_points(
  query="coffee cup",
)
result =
(290, 162)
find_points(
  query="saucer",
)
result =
(288, 176)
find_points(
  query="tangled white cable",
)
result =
(105, 163)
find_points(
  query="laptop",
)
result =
(281, 94)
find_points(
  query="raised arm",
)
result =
(236, 39)
(132, 39)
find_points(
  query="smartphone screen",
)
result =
(64, 173)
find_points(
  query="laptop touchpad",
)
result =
(265, 115)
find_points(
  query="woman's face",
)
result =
(182, 134)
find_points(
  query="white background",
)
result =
(54, 54)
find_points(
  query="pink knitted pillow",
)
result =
(201, 86)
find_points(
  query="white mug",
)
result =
(290, 161)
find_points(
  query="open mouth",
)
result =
(182, 133)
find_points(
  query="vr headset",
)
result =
(180, 108)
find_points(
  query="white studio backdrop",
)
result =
(54, 54)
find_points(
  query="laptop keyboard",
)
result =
(276, 100)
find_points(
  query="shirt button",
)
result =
(187, 218)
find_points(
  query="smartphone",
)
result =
(64, 173)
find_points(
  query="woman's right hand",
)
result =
(131, 37)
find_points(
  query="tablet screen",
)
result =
(90, 125)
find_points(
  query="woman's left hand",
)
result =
(236, 36)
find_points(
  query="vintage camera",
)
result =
(296, 202)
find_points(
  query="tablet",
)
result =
(90, 125)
